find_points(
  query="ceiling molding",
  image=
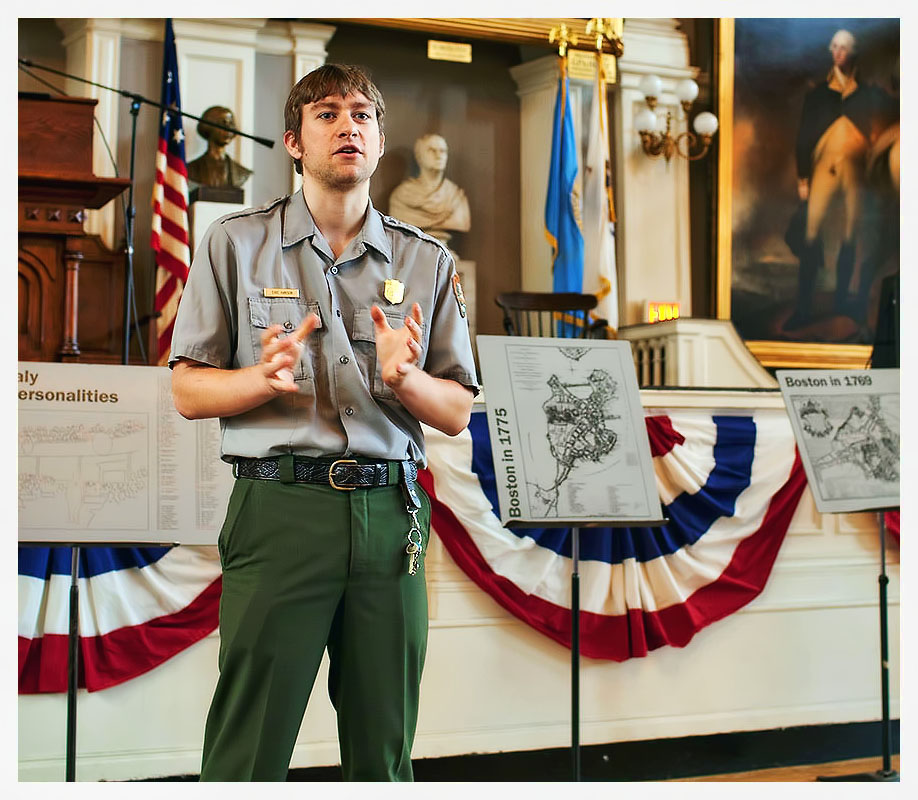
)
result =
(519, 30)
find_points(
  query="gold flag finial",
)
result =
(597, 27)
(605, 29)
(564, 36)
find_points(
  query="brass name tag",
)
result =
(281, 292)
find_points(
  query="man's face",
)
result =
(841, 50)
(433, 153)
(340, 142)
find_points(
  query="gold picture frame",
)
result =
(770, 353)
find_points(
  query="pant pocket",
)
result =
(230, 531)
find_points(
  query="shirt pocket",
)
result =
(288, 313)
(363, 335)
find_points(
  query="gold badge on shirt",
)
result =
(394, 291)
(280, 292)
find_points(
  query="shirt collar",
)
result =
(299, 224)
(374, 234)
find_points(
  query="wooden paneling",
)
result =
(71, 286)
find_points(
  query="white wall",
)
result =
(806, 651)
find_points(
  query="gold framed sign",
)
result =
(808, 199)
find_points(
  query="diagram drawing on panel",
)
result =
(852, 442)
(89, 472)
(574, 433)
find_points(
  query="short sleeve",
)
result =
(206, 324)
(449, 352)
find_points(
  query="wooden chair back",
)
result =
(555, 314)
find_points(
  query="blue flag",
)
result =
(562, 204)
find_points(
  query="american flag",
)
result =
(169, 236)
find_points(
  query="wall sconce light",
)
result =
(656, 137)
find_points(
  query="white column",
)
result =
(652, 196)
(93, 48)
(537, 86)
(309, 43)
(216, 60)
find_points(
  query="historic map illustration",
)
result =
(567, 430)
(847, 429)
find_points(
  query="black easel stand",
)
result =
(136, 101)
(73, 638)
(887, 773)
(575, 527)
(575, 653)
(73, 663)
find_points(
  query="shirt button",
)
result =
(334, 270)
(349, 411)
(288, 325)
(344, 359)
(338, 311)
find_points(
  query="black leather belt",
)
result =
(344, 474)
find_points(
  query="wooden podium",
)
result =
(71, 286)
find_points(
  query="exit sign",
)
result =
(661, 312)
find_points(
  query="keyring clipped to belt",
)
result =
(415, 548)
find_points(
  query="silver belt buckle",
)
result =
(331, 475)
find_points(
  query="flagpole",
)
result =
(604, 127)
(600, 227)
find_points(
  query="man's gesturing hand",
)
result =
(280, 354)
(397, 349)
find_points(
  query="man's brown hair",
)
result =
(329, 79)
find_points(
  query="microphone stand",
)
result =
(137, 101)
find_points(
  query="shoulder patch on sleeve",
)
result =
(460, 297)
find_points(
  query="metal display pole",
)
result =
(73, 637)
(575, 652)
(575, 526)
(73, 663)
(887, 773)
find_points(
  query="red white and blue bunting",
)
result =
(730, 484)
(139, 606)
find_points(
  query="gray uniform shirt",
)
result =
(342, 408)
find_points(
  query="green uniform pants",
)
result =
(307, 567)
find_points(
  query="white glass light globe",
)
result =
(651, 86)
(687, 91)
(646, 120)
(705, 124)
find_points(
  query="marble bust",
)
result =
(215, 167)
(431, 201)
